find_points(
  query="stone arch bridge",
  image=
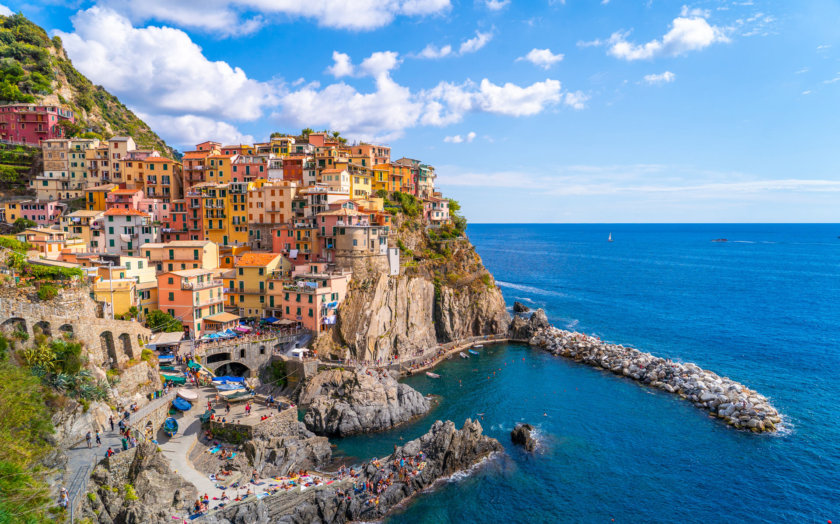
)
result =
(109, 343)
(244, 357)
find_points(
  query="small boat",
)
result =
(463, 355)
(175, 379)
(166, 358)
(181, 404)
(170, 427)
(186, 394)
(473, 352)
(230, 386)
(432, 375)
(609, 239)
(167, 368)
(234, 396)
(720, 240)
(478, 346)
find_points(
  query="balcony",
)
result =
(209, 301)
(195, 286)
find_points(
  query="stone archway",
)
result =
(233, 369)
(126, 347)
(66, 329)
(218, 357)
(44, 327)
(106, 339)
(15, 325)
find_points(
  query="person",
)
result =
(87, 437)
(111, 420)
(122, 426)
(109, 452)
(126, 415)
(63, 499)
(124, 443)
(98, 440)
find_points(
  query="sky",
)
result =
(531, 111)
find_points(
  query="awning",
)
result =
(270, 320)
(222, 317)
(167, 339)
(242, 329)
(284, 322)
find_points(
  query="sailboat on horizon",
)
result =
(610, 237)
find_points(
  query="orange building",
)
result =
(191, 296)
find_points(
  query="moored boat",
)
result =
(234, 396)
(463, 355)
(175, 379)
(473, 352)
(181, 404)
(186, 394)
(170, 426)
(432, 375)
(230, 386)
(478, 346)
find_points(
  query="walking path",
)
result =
(81, 460)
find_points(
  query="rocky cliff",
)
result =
(443, 293)
(439, 453)
(344, 402)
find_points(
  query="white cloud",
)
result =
(432, 51)
(160, 71)
(236, 17)
(457, 139)
(5, 11)
(541, 57)
(686, 34)
(660, 78)
(341, 65)
(693, 12)
(191, 129)
(496, 5)
(474, 44)
(576, 100)
(379, 63)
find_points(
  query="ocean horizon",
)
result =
(759, 308)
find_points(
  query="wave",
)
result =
(529, 289)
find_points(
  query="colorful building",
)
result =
(247, 290)
(190, 296)
(30, 123)
(311, 298)
(42, 212)
(182, 254)
(96, 198)
(86, 225)
(128, 229)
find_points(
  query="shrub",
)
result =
(47, 292)
(146, 355)
(130, 493)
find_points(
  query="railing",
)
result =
(201, 285)
(214, 300)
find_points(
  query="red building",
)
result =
(293, 168)
(28, 123)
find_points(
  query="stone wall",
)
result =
(298, 370)
(280, 424)
(253, 354)
(108, 343)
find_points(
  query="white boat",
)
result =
(609, 239)
(478, 346)
(463, 355)
(186, 394)
(432, 375)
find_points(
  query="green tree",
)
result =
(23, 223)
(163, 322)
(306, 131)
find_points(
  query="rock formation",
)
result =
(344, 402)
(522, 328)
(281, 455)
(137, 486)
(519, 307)
(738, 405)
(521, 435)
(443, 451)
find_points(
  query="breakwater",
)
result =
(724, 398)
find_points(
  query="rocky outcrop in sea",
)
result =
(726, 399)
(346, 402)
(521, 435)
(524, 327)
(442, 451)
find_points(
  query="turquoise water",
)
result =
(761, 308)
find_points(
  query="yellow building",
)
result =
(11, 211)
(86, 225)
(96, 197)
(218, 168)
(248, 289)
(381, 178)
(237, 210)
(119, 294)
(182, 254)
(360, 184)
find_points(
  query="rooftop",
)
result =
(125, 212)
(189, 273)
(222, 317)
(257, 259)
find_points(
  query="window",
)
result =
(170, 280)
(171, 295)
(241, 272)
(195, 254)
(310, 310)
(241, 353)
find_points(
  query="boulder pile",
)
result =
(726, 399)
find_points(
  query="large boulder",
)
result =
(519, 307)
(521, 435)
(523, 329)
(346, 402)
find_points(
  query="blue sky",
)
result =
(538, 111)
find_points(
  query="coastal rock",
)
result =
(519, 307)
(441, 452)
(345, 402)
(521, 435)
(282, 455)
(523, 329)
(726, 399)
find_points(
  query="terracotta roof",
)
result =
(197, 155)
(124, 212)
(126, 191)
(256, 259)
(222, 317)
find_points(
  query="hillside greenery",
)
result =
(34, 67)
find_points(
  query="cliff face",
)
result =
(443, 293)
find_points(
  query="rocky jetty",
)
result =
(521, 435)
(345, 402)
(728, 400)
(523, 328)
(439, 453)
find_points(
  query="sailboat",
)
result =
(610, 237)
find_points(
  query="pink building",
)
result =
(29, 123)
(311, 298)
(124, 199)
(436, 210)
(43, 212)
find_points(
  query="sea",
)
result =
(762, 308)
